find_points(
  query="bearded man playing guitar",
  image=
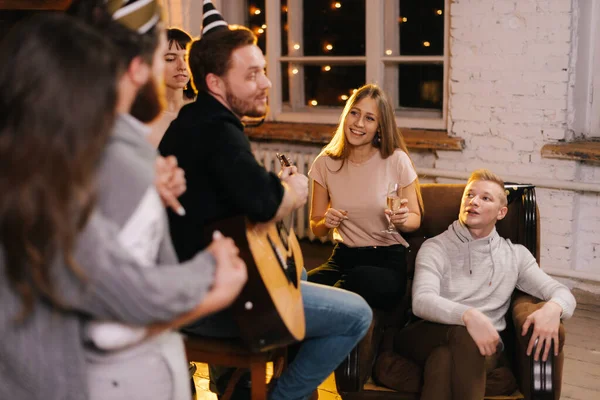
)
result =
(225, 180)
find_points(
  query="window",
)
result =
(586, 91)
(319, 51)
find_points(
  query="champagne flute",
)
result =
(394, 202)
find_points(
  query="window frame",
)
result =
(585, 94)
(378, 66)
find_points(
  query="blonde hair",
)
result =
(487, 175)
(388, 137)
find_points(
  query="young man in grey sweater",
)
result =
(464, 279)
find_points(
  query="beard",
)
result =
(243, 108)
(149, 102)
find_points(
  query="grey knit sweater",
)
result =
(43, 358)
(455, 272)
(129, 162)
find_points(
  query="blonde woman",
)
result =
(351, 177)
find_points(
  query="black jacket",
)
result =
(223, 177)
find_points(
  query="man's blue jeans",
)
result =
(335, 322)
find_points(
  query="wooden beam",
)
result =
(34, 4)
(582, 150)
(431, 140)
(322, 133)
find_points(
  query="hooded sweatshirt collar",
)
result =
(461, 235)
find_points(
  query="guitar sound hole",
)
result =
(283, 233)
(287, 264)
(291, 268)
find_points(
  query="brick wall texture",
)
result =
(511, 79)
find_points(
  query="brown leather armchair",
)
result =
(356, 377)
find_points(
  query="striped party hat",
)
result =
(212, 20)
(138, 15)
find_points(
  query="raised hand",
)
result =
(170, 182)
(333, 218)
(399, 216)
(298, 183)
(230, 273)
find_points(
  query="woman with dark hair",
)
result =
(178, 86)
(52, 133)
(61, 262)
(351, 178)
(125, 358)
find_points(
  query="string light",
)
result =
(284, 9)
(264, 26)
(388, 52)
(295, 71)
(354, 91)
(296, 46)
(327, 68)
(344, 97)
(257, 11)
(313, 102)
(439, 12)
(337, 4)
(261, 30)
(402, 19)
(328, 47)
(426, 44)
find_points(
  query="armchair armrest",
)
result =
(538, 379)
(356, 369)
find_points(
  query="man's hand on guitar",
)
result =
(285, 172)
(298, 183)
(230, 273)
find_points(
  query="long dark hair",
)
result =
(181, 39)
(58, 95)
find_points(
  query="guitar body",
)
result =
(269, 310)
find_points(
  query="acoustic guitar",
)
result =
(269, 310)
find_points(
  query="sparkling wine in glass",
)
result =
(394, 202)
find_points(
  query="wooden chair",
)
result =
(233, 353)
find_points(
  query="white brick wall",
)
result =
(587, 244)
(511, 69)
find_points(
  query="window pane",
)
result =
(329, 85)
(421, 27)
(257, 22)
(421, 85)
(285, 83)
(284, 27)
(329, 30)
